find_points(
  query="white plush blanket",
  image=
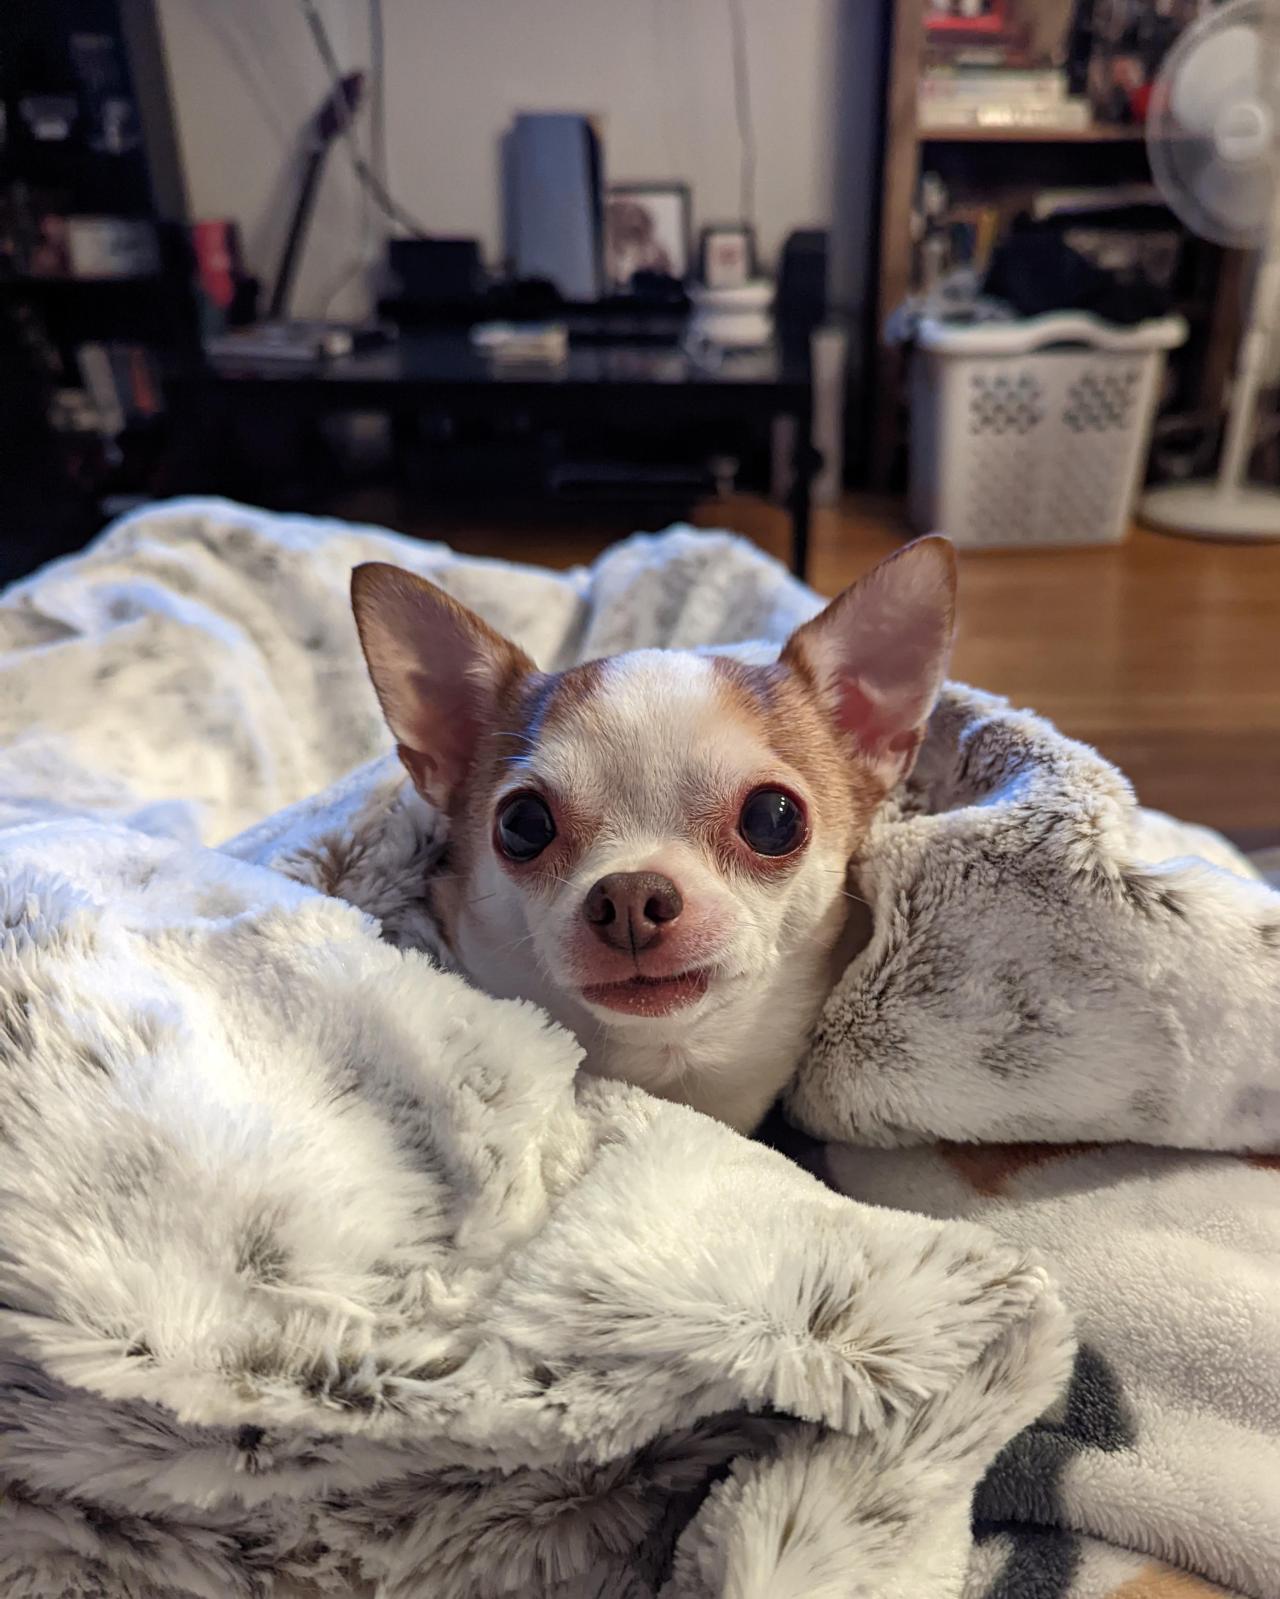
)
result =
(323, 1274)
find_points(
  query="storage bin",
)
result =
(1033, 432)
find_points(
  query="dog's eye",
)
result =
(771, 822)
(525, 827)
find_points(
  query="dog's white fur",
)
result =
(630, 754)
(642, 748)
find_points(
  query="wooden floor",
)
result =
(1163, 652)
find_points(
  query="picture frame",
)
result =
(646, 229)
(727, 255)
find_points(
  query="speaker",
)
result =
(801, 302)
(436, 271)
(556, 202)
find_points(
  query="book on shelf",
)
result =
(983, 51)
(1013, 85)
(1071, 115)
(100, 383)
(122, 383)
(978, 58)
(999, 97)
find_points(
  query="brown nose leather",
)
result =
(628, 910)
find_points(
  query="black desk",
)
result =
(616, 383)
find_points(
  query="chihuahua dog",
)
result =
(654, 847)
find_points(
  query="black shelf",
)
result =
(54, 285)
(52, 486)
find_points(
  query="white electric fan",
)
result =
(1213, 136)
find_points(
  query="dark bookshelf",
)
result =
(88, 133)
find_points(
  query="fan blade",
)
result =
(1238, 200)
(1217, 70)
(1189, 174)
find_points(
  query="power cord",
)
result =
(742, 111)
(377, 155)
(389, 207)
(378, 96)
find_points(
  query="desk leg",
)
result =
(403, 434)
(199, 448)
(804, 463)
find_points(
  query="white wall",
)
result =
(245, 77)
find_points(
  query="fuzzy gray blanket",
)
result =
(323, 1274)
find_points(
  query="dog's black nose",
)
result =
(629, 909)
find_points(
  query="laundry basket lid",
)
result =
(1039, 332)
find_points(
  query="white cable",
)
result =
(369, 244)
(742, 112)
(386, 204)
(378, 98)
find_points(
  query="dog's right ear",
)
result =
(438, 670)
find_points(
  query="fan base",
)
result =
(1205, 509)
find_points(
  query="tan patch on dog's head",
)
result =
(781, 705)
(527, 706)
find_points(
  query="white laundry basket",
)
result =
(1033, 432)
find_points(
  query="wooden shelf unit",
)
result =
(1019, 160)
(978, 135)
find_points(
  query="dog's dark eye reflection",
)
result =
(525, 827)
(771, 822)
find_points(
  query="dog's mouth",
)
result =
(650, 996)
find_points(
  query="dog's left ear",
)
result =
(439, 671)
(878, 654)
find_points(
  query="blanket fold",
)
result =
(1031, 928)
(323, 1274)
(320, 1267)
